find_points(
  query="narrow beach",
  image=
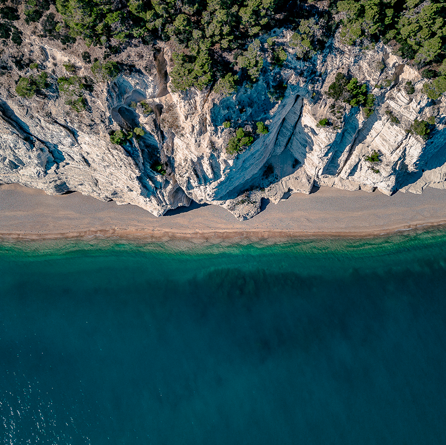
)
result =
(31, 214)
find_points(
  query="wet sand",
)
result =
(31, 214)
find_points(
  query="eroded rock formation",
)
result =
(47, 145)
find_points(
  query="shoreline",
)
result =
(214, 237)
(30, 214)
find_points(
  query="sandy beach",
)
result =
(31, 214)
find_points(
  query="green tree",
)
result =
(279, 57)
(421, 128)
(226, 85)
(358, 93)
(338, 88)
(436, 88)
(239, 141)
(190, 71)
(304, 39)
(252, 60)
(262, 128)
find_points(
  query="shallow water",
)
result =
(314, 342)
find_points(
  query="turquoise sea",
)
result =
(310, 342)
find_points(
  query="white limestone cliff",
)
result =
(46, 145)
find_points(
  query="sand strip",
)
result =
(31, 214)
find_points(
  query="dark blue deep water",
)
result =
(314, 342)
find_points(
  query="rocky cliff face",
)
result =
(47, 145)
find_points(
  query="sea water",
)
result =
(310, 342)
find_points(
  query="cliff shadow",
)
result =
(288, 152)
(180, 210)
(8, 115)
(337, 148)
(428, 160)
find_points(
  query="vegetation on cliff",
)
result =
(418, 28)
(352, 92)
(241, 140)
(216, 41)
(29, 86)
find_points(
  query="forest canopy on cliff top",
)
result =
(204, 32)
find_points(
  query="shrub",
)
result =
(78, 105)
(358, 93)
(71, 86)
(5, 31)
(240, 140)
(105, 71)
(227, 124)
(323, 122)
(429, 73)
(393, 119)
(369, 104)
(352, 92)
(139, 132)
(262, 128)
(34, 66)
(9, 13)
(50, 25)
(16, 36)
(147, 109)
(70, 68)
(374, 157)
(421, 128)
(110, 69)
(380, 65)
(118, 137)
(159, 168)
(34, 10)
(41, 80)
(26, 87)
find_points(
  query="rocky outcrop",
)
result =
(47, 145)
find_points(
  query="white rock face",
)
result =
(46, 145)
